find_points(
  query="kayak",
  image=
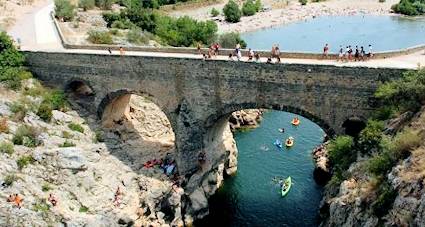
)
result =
(278, 144)
(282, 130)
(289, 142)
(295, 122)
(286, 186)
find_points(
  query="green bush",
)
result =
(41, 206)
(67, 144)
(370, 137)
(303, 2)
(111, 17)
(6, 147)
(408, 7)
(24, 161)
(404, 142)
(64, 10)
(407, 93)
(341, 152)
(380, 164)
(136, 36)
(258, 5)
(26, 135)
(83, 209)
(229, 40)
(45, 187)
(99, 37)
(66, 135)
(86, 4)
(185, 31)
(384, 113)
(99, 136)
(9, 179)
(9, 55)
(386, 197)
(231, 11)
(249, 8)
(76, 127)
(45, 111)
(56, 99)
(214, 12)
(13, 76)
(104, 4)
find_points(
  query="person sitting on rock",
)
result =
(117, 197)
(18, 201)
(52, 200)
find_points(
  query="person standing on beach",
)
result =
(350, 53)
(341, 54)
(273, 52)
(277, 53)
(356, 54)
(362, 53)
(370, 54)
(326, 51)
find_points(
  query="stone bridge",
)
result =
(198, 96)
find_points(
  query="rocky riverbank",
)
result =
(245, 119)
(397, 200)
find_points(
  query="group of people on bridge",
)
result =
(348, 54)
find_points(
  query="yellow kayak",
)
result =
(289, 142)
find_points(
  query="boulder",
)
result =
(71, 158)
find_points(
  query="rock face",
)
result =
(321, 172)
(249, 118)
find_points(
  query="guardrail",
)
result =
(262, 53)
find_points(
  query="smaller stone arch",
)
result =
(353, 125)
(81, 92)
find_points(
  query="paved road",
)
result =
(38, 33)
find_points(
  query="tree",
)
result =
(99, 37)
(231, 11)
(64, 10)
(258, 5)
(229, 40)
(86, 4)
(214, 12)
(9, 55)
(104, 4)
(341, 152)
(249, 8)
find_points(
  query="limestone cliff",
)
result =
(249, 118)
(397, 199)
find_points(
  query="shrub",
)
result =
(386, 197)
(384, 113)
(83, 209)
(229, 40)
(404, 142)
(214, 12)
(67, 144)
(99, 136)
(4, 127)
(303, 2)
(56, 99)
(136, 36)
(258, 5)
(76, 127)
(406, 7)
(99, 37)
(13, 76)
(45, 187)
(35, 91)
(41, 206)
(21, 107)
(341, 152)
(24, 161)
(26, 135)
(86, 4)
(6, 147)
(380, 164)
(45, 111)
(9, 55)
(111, 17)
(104, 4)
(249, 8)
(370, 137)
(9, 179)
(66, 135)
(231, 11)
(64, 10)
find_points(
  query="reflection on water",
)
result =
(382, 32)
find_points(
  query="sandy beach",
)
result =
(284, 12)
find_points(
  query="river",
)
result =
(251, 198)
(382, 32)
